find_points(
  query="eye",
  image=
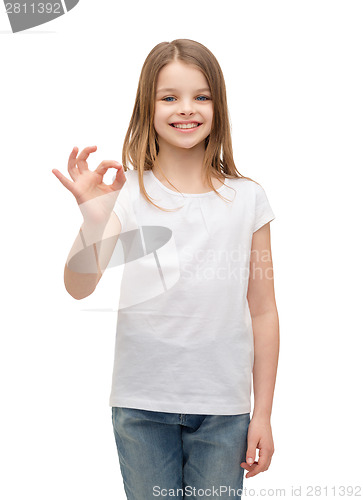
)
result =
(205, 98)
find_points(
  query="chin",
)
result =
(188, 146)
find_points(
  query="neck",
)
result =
(180, 164)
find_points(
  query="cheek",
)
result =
(160, 117)
(158, 125)
(209, 115)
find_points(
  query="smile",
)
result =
(185, 127)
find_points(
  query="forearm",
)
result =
(82, 270)
(266, 351)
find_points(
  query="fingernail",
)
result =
(250, 461)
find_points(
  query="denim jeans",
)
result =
(180, 456)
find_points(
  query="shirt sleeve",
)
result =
(263, 210)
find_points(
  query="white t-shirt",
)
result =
(184, 340)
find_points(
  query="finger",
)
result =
(249, 468)
(120, 179)
(105, 165)
(72, 164)
(246, 466)
(265, 456)
(66, 182)
(268, 461)
(257, 467)
(82, 157)
(251, 452)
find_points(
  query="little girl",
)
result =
(197, 315)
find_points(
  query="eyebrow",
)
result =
(206, 89)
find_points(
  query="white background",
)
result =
(294, 79)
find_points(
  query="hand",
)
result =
(96, 199)
(259, 436)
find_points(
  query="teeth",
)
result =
(186, 125)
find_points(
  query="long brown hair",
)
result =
(141, 146)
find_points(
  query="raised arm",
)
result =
(98, 235)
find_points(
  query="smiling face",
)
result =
(182, 95)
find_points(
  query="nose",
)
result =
(186, 107)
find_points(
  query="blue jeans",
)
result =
(180, 456)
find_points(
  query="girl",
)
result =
(191, 330)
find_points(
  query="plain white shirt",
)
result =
(184, 339)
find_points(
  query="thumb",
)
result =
(251, 454)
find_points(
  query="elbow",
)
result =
(77, 295)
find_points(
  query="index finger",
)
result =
(72, 162)
(257, 467)
(119, 179)
(82, 157)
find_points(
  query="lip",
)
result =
(184, 122)
(185, 130)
